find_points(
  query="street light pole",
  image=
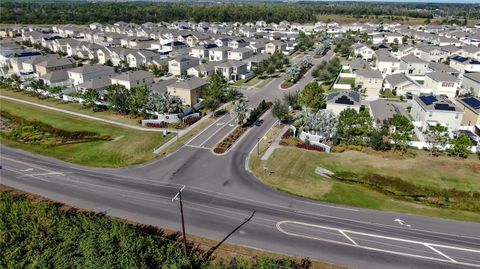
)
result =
(258, 145)
(178, 196)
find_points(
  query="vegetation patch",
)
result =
(39, 233)
(35, 132)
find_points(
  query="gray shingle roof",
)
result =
(382, 110)
(442, 76)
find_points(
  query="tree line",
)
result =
(140, 12)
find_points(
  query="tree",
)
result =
(379, 137)
(117, 96)
(164, 103)
(401, 130)
(437, 137)
(137, 99)
(292, 99)
(157, 70)
(240, 110)
(280, 111)
(90, 98)
(214, 92)
(313, 96)
(354, 127)
(55, 90)
(461, 146)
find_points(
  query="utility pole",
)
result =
(178, 196)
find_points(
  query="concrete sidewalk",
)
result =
(275, 144)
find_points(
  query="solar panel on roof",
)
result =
(354, 95)
(428, 99)
(472, 101)
(344, 100)
(446, 107)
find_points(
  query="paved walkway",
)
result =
(275, 144)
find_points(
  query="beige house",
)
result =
(471, 109)
(386, 63)
(369, 80)
(240, 54)
(440, 83)
(180, 64)
(275, 46)
(54, 64)
(133, 79)
(188, 90)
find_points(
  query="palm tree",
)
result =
(240, 110)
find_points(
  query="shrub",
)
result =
(156, 124)
(310, 147)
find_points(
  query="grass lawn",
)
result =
(74, 107)
(420, 81)
(344, 80)
(291, 169)
(346, 71)
(128, 146)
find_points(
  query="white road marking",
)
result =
(214, 133)
(401, 222)
(198, 147)
(205, 129)
(44, 174)
(348, 237)
(429, 245)
(437, 251)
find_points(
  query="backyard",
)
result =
(126, 146)
(291, 174)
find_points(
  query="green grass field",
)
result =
(344, 80)
(292, 170)
(128, 146)
(74, 107)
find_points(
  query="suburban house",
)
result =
(369, 80)
(441, 67)
(470, 52)
(240, 54)
(439, 83)
(386, 63)
(98, 84)
(56, 78)
(180, 64)
(428, 110)
(237, 43)
(222, 42)
(53, 63)
(471, 81)
(402, 84)
(81, 74)
(339, 101)
(471, 112)
(413, 65)
(188, 90)
(133, 79)
(254, 61)
(431, 53)
(203, 70)
(258, 47)
(464, 65)
(381, 110)
(219, 54)
(161, 86)
(201, 52)
(275, 46)
(141, 57)
(363, 50)
(232, 70)
(358, 63)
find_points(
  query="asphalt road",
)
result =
(220, 193)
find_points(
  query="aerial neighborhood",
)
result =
(271, 134)
(428, 72)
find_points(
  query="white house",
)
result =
(430, 110)
(133, 79)
(80, 74)
(179, 65)
(363, 50)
